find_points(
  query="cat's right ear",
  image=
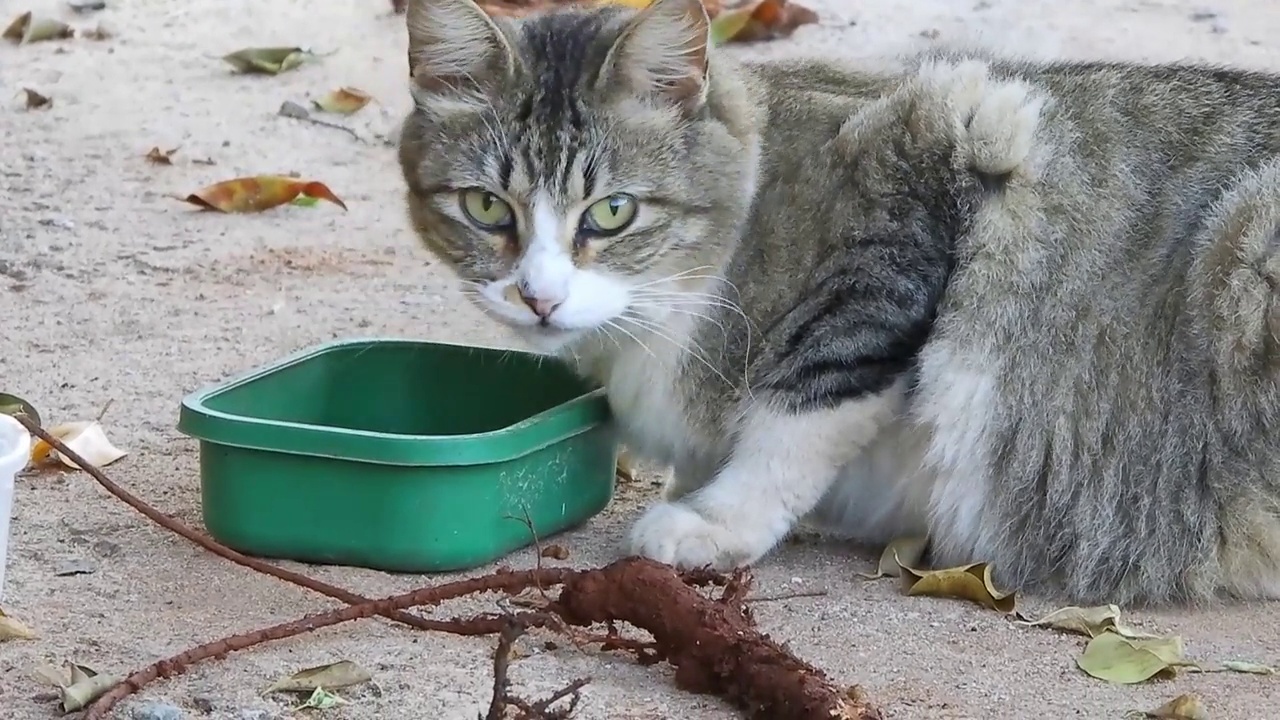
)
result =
(662, 52)
(456, 52)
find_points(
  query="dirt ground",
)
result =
(111, 290)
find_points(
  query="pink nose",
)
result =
(541, 308)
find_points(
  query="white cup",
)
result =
(15, 451)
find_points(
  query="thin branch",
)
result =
(216, 547)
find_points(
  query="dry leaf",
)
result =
(1090, 621)
(85, 437)
(1183, 707)
(12, 405)
(555, 552)
(36, 101)
(161, 157)
(967, 582)
(760, 20)
(28, 29)
(269, 61)
(255, 194)
(334, 675)
(904, 551)
(321, 700)
(12, 629)
(344, 100)
(1118, 659)
(78, 685)
(625, 465)
(1242, 666)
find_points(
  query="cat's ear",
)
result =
(455, 49)
(663, 51)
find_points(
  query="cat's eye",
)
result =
(610, 216)
(486, 210)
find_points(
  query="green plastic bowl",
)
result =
(400, 455)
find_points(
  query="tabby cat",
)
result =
(1030, 309)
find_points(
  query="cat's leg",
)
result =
(884, 493)
(782, 464)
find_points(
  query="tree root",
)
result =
(713, 643)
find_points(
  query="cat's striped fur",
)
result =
(1032, 309)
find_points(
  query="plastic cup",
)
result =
(15, 451)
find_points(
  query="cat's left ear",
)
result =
(456, 51)
(663, 51)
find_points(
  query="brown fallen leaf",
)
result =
(343, 101)
(27, 28)
(555, 552)
(36, 101)
(624, 468)
(161, 157)
(268, 61)
(343, 673)
(255, 194)
(967, 582)
(760, 20)
(1184, 707)
(904, 551)
(13, 629)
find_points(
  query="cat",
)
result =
(1027, 309)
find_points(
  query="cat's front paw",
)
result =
(675, 534)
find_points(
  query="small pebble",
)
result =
(157, 711)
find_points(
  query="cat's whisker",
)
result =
(690, 346)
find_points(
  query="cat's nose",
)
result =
(541, 308)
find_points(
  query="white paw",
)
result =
(675, 534)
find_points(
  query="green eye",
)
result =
(486, 210)
(611, 215)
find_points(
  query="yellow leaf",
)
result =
(637, 4)
(320, 699)
(12, 629)
(28, 29)
(1118, 659)
(84, 437)
(270, 61)
(1183, 707)
(78, 685)
(334, 675)
(255, 194)
(726, 26)
(905, 551)
(1090, 621)
(967, 582)
(344, 100)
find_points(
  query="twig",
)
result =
(785, 596)
(335, 126)
(542, 709)
(501, 662)
(218, 548)
(505, 582)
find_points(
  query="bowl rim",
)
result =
(535, 432)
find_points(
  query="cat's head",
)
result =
(576, 167)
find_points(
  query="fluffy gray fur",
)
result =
(1031, 309)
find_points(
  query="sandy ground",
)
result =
(110, 290)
